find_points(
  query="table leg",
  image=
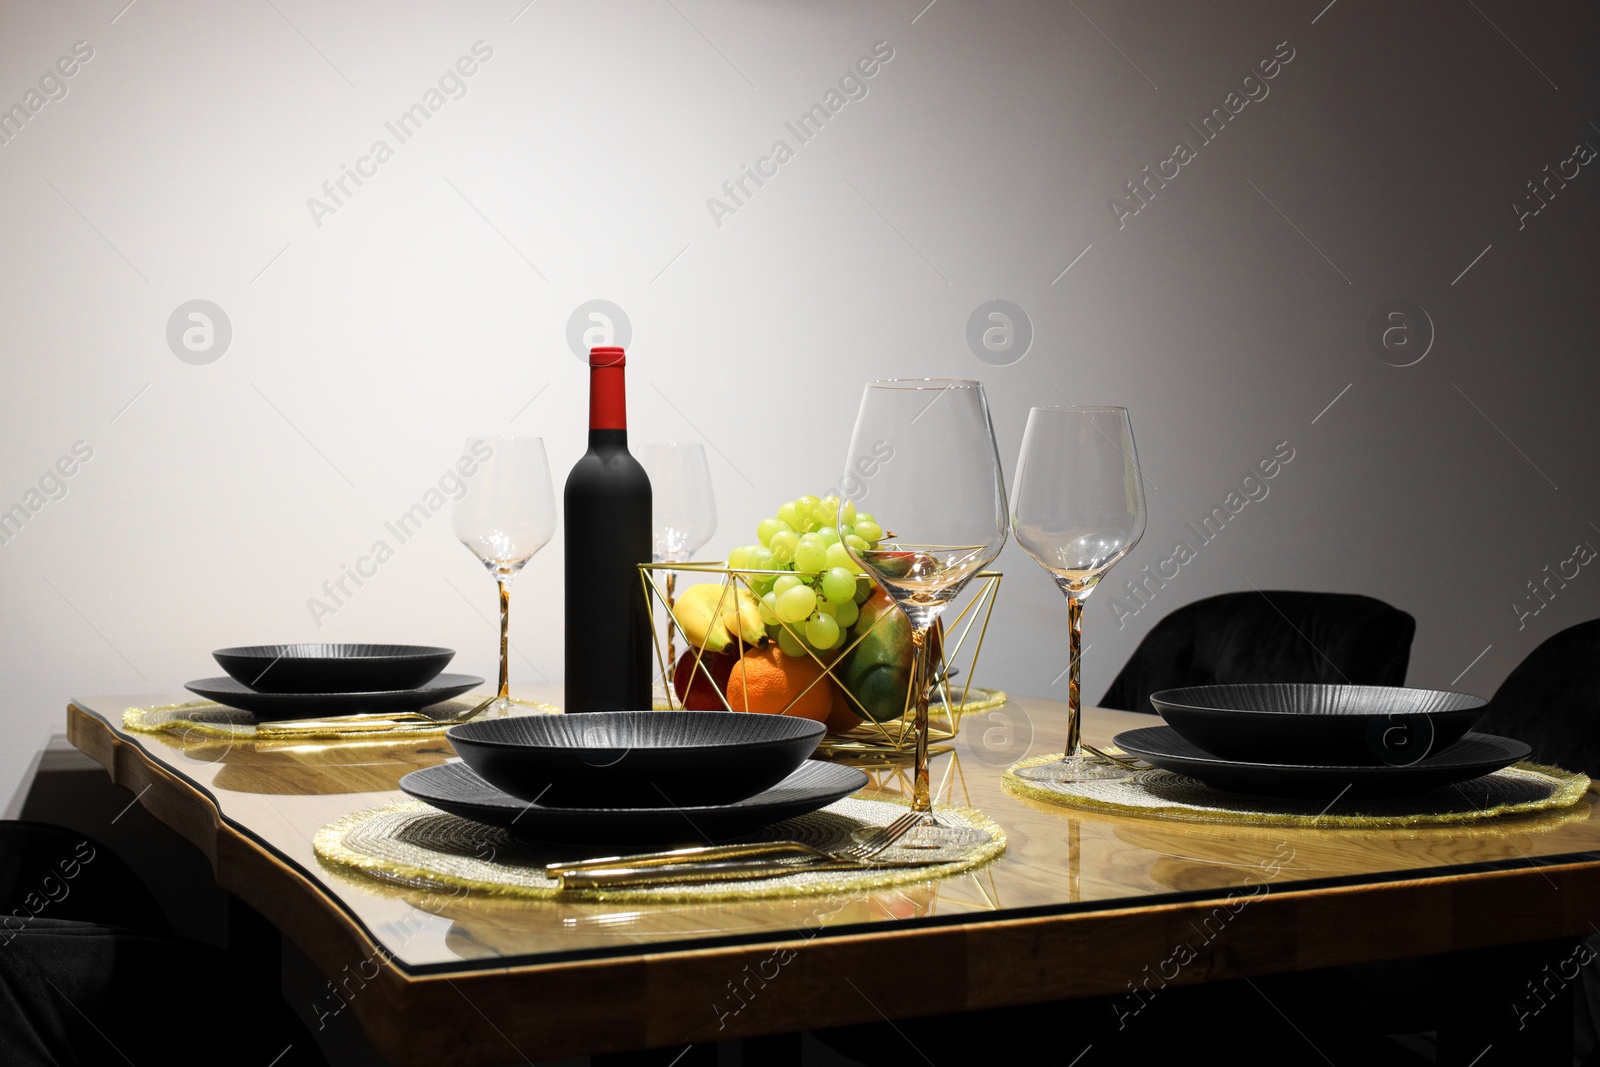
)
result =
(1510, 1005)
(256, 948)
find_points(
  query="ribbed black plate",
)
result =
(300, 705)
(453, 787)
(319, 668)
(1471, 757)
(636, 759)
(1335, 725)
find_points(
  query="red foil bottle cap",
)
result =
(608, 403)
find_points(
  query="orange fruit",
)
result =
(769, 682)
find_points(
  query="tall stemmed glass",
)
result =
(684, 511)
(1078, 507)
(923, 465)
(507, 514)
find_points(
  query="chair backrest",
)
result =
(1273, 636)
(1552, 700)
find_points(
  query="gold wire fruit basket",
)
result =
(955, 663)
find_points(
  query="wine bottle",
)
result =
(607, 517)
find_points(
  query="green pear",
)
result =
(877, 672)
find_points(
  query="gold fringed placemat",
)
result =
(1518, 790)
(978, 699)
(417, 846)
(206, 718)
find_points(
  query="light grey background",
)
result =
(1227, 315)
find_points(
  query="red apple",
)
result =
(696, 692)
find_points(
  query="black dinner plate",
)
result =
(455, 788)
(333, 668)
(1335, 725)
(1471, 757)
(636, 759)
(236, 694)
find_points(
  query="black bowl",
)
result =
(333, 668)
(642, 759)
(1326, 725)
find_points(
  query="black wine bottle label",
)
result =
(607, 527)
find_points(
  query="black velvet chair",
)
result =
(1272, 636)
(91, 973)
(1552, 700)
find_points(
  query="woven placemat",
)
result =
(414, 845)
(1526, 787)
(978, 699)
(205, 718)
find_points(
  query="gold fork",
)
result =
(870, 845)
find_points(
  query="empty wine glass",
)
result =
(923, 470)
(507, 514)
(684, 511)
(1078, 508)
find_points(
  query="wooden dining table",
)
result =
(1080, 905)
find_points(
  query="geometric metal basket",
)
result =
(953, 693)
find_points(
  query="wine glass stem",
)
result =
(672, 653)
(505, 630)
(920, 800)
(1074, 694)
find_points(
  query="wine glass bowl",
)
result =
(923, 577)
(683, 517)
(923, 469)
(1078, 508)
(498, 553)
(505, 516)
(1078, 501)
(508, 512)
(684, 511)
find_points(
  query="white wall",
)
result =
(578, 164)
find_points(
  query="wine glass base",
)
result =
(929, 836)
(1075, 769)
(497, 708)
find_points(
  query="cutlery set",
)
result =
(719, 863)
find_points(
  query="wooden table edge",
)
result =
(595, 1006)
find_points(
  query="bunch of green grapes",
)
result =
(816, 602)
